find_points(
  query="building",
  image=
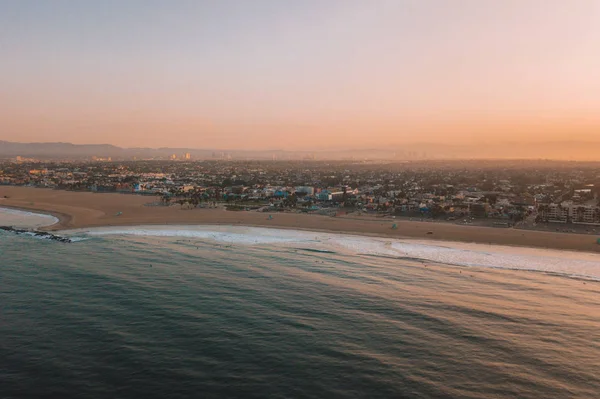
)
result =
(569, 213)
(188, 156)
(554, 213)
(584, 214)
(324, 195)
(337, 196)
(479, 210)
(305, 189)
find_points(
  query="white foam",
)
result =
(241, 235)
(25, 220)
(78, 239)
(563, 262)
(555, 261)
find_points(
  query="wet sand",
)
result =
(85, 209)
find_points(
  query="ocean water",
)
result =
(568, 263)
(216, 312)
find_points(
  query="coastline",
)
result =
(77, 210)
(60, 217)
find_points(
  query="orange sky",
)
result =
(317, 74)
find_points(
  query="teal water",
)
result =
(165, 317)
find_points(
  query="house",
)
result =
(324, 195)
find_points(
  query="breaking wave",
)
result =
(575, 264)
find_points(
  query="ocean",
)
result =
(234, 312)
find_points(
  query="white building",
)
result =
(584, 214)
(569, 212)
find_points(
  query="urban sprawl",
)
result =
(542, 195)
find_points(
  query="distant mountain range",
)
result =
(563, 150)
(56, 150)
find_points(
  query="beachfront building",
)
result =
(324, 195)
(567, 212)
(585, 214)
(553, 213)
(281, 193)
(479, 209)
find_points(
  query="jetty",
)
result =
(36, 233)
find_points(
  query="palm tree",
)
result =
(293, 200)
(166, 199)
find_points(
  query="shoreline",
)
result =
(446, 244)
(80, 210)
(60, 217)
(571, 264)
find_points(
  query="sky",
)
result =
(305, 74)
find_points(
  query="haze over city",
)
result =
(310, 75)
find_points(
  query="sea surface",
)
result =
(219, 312)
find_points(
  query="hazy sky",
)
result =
(298, 74)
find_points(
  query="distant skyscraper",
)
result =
(188, 156)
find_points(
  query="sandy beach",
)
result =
(86, 209)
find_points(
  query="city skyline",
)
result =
(314, 75)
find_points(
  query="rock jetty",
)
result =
(35, 233)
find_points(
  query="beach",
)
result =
(85, 209)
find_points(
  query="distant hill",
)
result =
(57, 150)
(564, 150)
